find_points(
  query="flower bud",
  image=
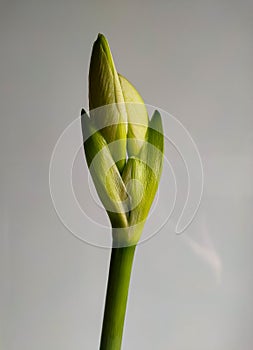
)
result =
(118, 127)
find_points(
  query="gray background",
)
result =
(194, 60)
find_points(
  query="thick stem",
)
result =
(116, 297)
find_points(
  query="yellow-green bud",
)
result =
(124, 150)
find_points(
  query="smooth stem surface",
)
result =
(116, 297)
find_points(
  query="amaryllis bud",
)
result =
(123, 148)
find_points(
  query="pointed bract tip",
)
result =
(101, 40)
(156, 122)
(100, 36)
(156, 115)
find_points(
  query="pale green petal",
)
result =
(135, 173)
(137, 117)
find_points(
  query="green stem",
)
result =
(116, 297)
